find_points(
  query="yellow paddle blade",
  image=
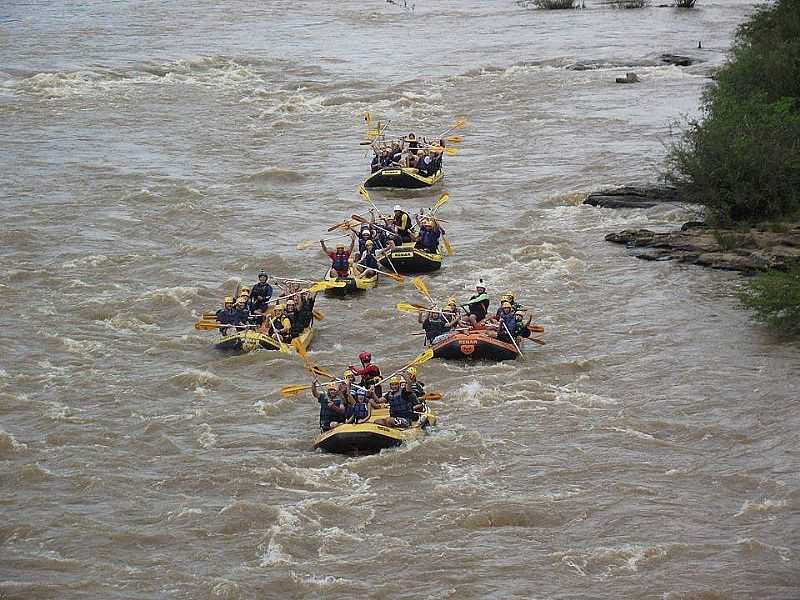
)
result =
(536, 328)
(306, 244)
(320, 371)
(447, 246)
(367, 118)
(422, 357)
(394, 276)
(318, 315)
(431, 397)
(373, 133)
(455, 139)
(460, 122)
(293, 390)
(443, 199)
(405, 307)
(298, 345)
(363, 193)
(421, 287)
(207, 325)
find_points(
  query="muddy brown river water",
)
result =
(152, 152)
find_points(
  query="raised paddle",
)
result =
(325, 285)
(421, 358)
(422, 288)
(210, 325)
(455, 139)
(293, 390)
(306, 244)
(430, 397)
(404, 307)
(441, 201)
(365, 195)
(536, 328)
(447, 245)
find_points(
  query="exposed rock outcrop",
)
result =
(756, 249)
(632, 197)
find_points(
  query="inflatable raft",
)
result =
(368, 437)
(353, 282)
(473, 345)
(407, 259)
(248, 340)
(402, 177)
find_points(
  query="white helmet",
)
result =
(397, 207)
(480, 284)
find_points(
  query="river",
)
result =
(153, 152)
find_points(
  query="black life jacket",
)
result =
(340, 262)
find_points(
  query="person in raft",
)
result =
(331, 405)
(340, 259)
(402, 403)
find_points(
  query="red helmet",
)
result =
(365, 357)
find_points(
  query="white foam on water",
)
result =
(58, 411)
(205, 436)
(607, 561)
(785, 554)
(762, 506)
(9, 444)
(184, 512)
(633, 433)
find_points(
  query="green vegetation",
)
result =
(775, 298)
(742, 160)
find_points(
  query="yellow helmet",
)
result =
(348, 373)
(245, 291)
(505, 304)
(412, 371)
(243, 299)
(279, 307)
(331, 386)
(394, 380)
(228, 300)
(340, 246)
(452, 302)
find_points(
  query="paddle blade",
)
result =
(447, 246)
(305, 245)
(367, 119)
(536, 328)
(431, 397)
(455, 139)
(318, 315)
(460, 122)
(422, 357)
(326, 285)
(421, 287)
(537, 341)
(298, 346)
(207, 325)
(393, 276)
(363, 193)
(404, 307)
(293, 390)
(443, 199)
(320, 371)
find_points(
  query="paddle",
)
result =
(210, 325)
(343, 225)
(318, 315)
(365, 195)
(455, 139)
(292, 390)
(538, 341)
(394, 276)
(430, 397)
(442, 200)
(422, 288)
(301, 351)
(536, 328)
(421, 358)
(512, 339)
(459, 124)
(447, 245)
(405, 307)
(449, 150)
(306, 244)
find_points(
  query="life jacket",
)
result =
(340, 262)
(260, 294)
(429, 239)
(479, 305)
(326, 414)
(511, 323)
(370, 375)
(369, 261)
(401, 404)
(435, 326)
(360, 411)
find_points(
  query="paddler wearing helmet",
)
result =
(225, 315)
(434, 323)
(281, 325)
(370, 373)
(331, 405)
(507, 297)
(452, 314)
(429, 233)
(506, 322)
(400, 224)
(402, 403)
(340, 258)
(367, 261)
(416, 385)
(261, 293)
(477, 306)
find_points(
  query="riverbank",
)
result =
(754, 249)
